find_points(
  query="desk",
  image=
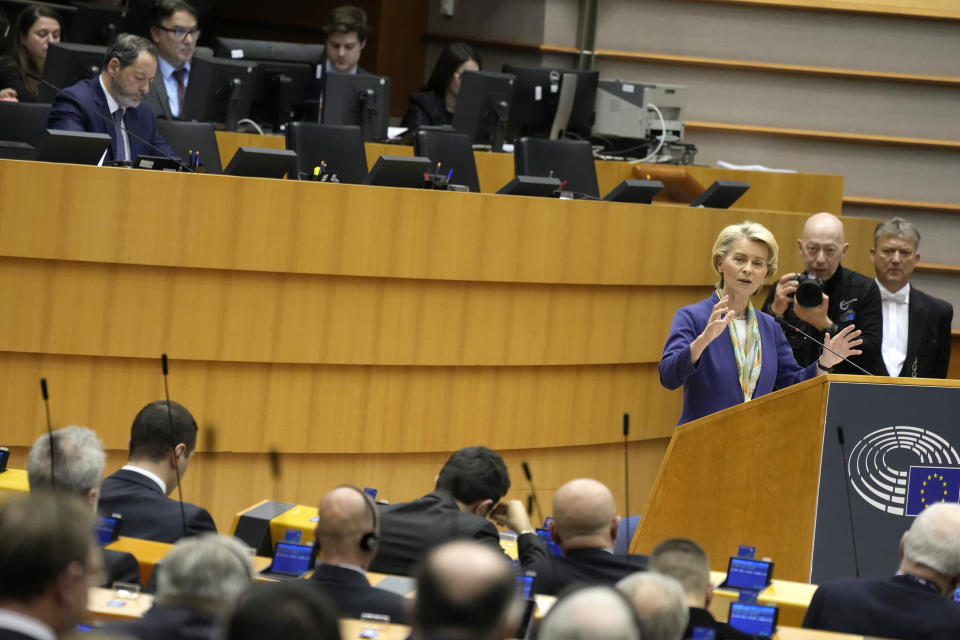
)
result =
(791, 598)
(13, 482)
(103, 605)
(148, 553)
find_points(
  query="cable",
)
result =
(248, 121)
(663, 135)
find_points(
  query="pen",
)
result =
(449, 173)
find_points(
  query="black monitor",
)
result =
(721, 194)
(359, 99)
(399, 171)
(538, 96)
(483, 106)
(219, 91)
(636, 191)
(253, 162)
(68, 63)
(75, 147)
(93, 23)
(285, 70)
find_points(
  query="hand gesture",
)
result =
(512, 515)
(845, 343)
(785, 289)
(815, 316)
(8, 95)
(720, 317)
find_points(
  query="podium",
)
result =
(770, 473)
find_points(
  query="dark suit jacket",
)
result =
(928, 337)
(408, 530)
(723, 631)
(354, 596)
(555, 573)
(891, 608)
(83, 107)
(120, 567)
(157, 99)
(6, 634)
(166, 623)
(146, 512)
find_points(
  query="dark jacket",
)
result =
(891, 608)
(354, 596)
(722, 631)
(166, 623)
(426, 108)
(120, 567)
(408, 530)
(555, 573)
(146, 512)
(12, 78)
(854, 299)
(83, 107)
(928, 337)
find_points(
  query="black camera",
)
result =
(809, 290)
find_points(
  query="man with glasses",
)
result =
(175, 33)
(848, 298)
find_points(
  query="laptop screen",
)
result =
(291, 559)
(748, 574)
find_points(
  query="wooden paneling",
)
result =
(945, 9)
(829, 136)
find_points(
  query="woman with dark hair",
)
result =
(435, 102)
(32, 32)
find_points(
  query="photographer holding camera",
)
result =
(827, 297)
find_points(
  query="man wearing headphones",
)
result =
(348, 532)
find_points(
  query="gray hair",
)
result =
(897, 228)
(206, 572)
(685, 561)
(660, 603)
(934, 539)
(126, 48)
(596, 612)
(79, 458)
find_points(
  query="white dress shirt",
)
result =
(149, 474)
(896, 323)
(14, 621)
(165, 69)
(113, 106)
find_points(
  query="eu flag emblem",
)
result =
(928, 485)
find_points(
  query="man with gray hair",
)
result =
(916, 326)
(79, 461)
(916, 602)
(598, 612)
(686, 562)
(112, 102)
(198, 583)
(659, 603)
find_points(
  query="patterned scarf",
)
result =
(749, 354)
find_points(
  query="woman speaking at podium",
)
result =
(722, 350)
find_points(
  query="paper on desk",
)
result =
(751, 167)
(395, 132)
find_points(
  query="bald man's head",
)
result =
(822, 245)
(584, 515)
(344, 516)
(466, 590)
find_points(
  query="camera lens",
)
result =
(809, 290)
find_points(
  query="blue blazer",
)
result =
(76, 108)
(713, 384)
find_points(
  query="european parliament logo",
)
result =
(889, 470)
(930, 485)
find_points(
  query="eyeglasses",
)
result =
(180, 33)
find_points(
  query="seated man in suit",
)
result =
(162, 442)
(916, 602)
(198, 583)
(470, 484)
(48, 562)
(175, 34)
(112, 102)
(347, 534)
(659, 603)
(591, 611)
(916, 326)
(79, 458)
(585, 523)
(288, 610)
(466, 591)
(686, 562)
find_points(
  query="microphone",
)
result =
(110, 121)
(812, 339)
(173, 442)
(846, 480)
(626, 477)
(275, 472)
(46, 404)
(532, 498)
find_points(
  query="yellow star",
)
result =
(924, 483)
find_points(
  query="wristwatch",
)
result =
(823, 368)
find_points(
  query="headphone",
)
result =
(370, 540)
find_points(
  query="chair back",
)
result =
(570, 160)
(339, 146)
(453, 150)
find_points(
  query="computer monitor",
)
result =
(721, 194)
(219, 91)
(359, 99)
(285, 70)
(94, 23)
(537, 96)
(67, 63)
(483, 106)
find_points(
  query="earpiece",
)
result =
(369, 541)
